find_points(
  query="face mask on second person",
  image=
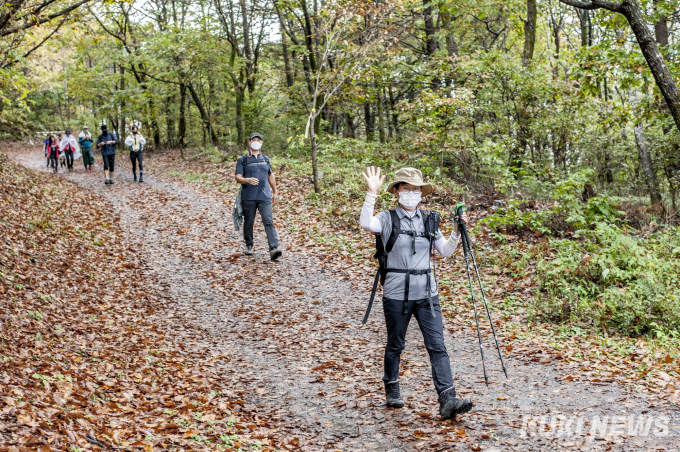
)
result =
(410, 200)
(256, 145)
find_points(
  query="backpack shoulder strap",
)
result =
(396, 226)
(431, 219)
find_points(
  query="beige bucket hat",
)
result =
(410, 176)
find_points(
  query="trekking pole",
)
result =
(486, 305)
(461, 226)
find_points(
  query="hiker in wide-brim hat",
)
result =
(412, 177)
(408, 238)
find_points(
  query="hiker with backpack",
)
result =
(258, 193)
(53, 153)
(135, 143)
(85, 140)
(107, 142)
(406, 239)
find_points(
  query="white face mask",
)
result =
(256, 145)
(410, 200)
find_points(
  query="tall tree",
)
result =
(631, 10)
(530, 32)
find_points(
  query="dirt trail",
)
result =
(291, 342)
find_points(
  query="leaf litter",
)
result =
(287, 339)
(83, 364)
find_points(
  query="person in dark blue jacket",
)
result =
(258, 192)
(107, 142)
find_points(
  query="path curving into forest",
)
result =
(291, 343)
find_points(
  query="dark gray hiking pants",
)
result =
(433, 336)
(250, 208)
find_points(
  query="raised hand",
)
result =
(373, 179)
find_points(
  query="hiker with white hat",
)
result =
(85, 139)
(407, 240)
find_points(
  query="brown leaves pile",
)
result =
(82, 365)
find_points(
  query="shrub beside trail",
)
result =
(594, 268)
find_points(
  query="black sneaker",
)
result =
(275, 253)
(111, 181)
(249, 250)
(134, 178)
(107, 182)
(392, 395)
(141, 177)
(449, 405)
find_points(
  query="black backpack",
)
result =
(431, 222)
(244, 160)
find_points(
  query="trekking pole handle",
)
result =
(460, 208)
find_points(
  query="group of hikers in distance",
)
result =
(65, 149)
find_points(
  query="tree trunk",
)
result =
(182, 118)
(122, 108)
(170, 121)
(247, 48)
(445, 14)
(650, 50)
(393, 112)
(369, 119)
(349, 126)
(240, 135)
(647, 165)
(430, 37)
(290, 80)
(309, 43)
(661, 32)
(584, 18)
(204, 114)
(555, 27)
(381, 117)
(529, 32)
(315, 168)
(154, 124)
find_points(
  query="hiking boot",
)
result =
(249, 250)
(141, 177)
(134, 177)
(275, 253)
(449, 405)
(392, 395)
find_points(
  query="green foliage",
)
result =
(612, 279)
(565, 210)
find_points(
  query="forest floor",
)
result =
(286, 338)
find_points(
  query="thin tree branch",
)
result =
(594, 4)
(29, 24)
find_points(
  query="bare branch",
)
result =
(29, 24)
(594, 4)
